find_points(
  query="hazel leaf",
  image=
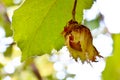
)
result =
(37, 24)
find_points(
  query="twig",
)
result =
(36, 72)
(74, 10)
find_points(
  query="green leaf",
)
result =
(81, 5)
(112, 69)
(38, 24)
(7, 2)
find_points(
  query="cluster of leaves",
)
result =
(37, 27)
(38, 24)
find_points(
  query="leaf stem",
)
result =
(74, 10)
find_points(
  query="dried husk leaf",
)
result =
(78, 40)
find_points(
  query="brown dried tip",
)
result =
(78, 40)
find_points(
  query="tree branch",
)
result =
(36, 72)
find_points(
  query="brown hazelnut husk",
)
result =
(79, 42)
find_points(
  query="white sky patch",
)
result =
(11, 66)
(60, 68)
(103, 44)
(111, 12)
(4, 43)
(2, 32)
(92, 13)
(66, 65)
(69, 78)
(60, 75)
(16, 1)
(7, 78)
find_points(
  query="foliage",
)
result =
(113, 66)
(37, 27)
(7, 2)
(38, 24)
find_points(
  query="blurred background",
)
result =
(103, 21)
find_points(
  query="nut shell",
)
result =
(78, 40)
